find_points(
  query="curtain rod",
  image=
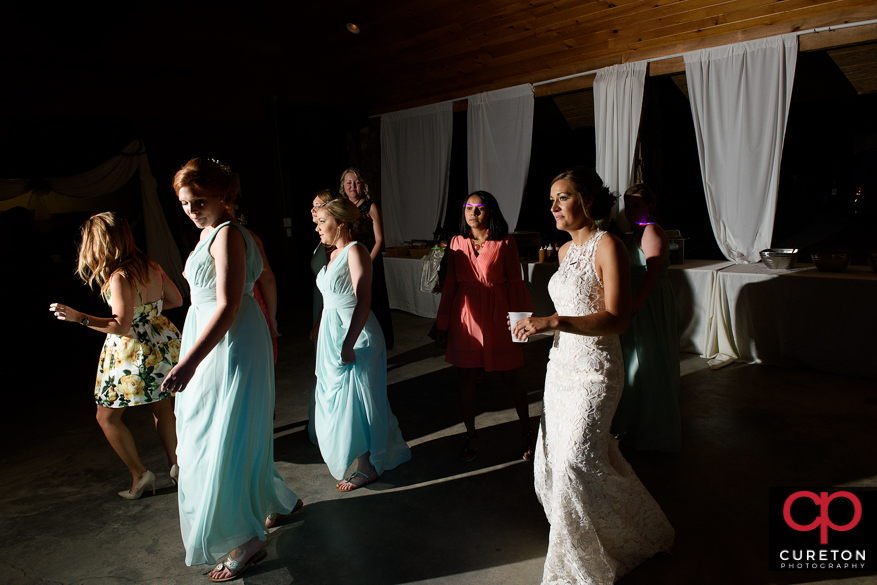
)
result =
(575, 75)
(797, 33)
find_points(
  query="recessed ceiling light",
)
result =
(353, 28)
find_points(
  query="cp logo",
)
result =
(822, 521)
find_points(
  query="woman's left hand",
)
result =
(272, 327)
(530, 326)
(348, 356)
(65, 313)
(635, 306)
(178, 378)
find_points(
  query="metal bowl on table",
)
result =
(831, 260)
(779, 258)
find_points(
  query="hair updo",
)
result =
(326, 196)
(342, 210)
(643, 190)
(207, 176)
(587, 183)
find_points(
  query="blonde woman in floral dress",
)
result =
(142, 345)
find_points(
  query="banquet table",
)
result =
(797, 318)
(732, 312)
(403, 287)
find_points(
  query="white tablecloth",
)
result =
(403, 288)
(797, 318)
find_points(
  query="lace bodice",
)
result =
(576, 290)
(603, 521)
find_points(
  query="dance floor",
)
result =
(435, 519)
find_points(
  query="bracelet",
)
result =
(84, 321)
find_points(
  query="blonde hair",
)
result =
(358, 175)
(107, 247)
(342, 210)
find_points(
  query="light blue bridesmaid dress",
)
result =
(648, 413)
(225, 434)
(353, 414)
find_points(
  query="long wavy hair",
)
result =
(496, 223)
(107, 247)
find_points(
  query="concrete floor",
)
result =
(435, 519)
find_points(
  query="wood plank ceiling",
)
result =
(211, 59)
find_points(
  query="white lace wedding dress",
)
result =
(603, 520)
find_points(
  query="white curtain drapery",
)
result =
(740, 98)
(102, 180)
(618, 104)
(499, 139)
(415, 171)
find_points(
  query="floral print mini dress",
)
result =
(132, 367)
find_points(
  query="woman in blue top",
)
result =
(229, 483)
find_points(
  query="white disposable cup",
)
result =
(514, 318)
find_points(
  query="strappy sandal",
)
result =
(277, 519)
(237, 568)
(468, 453)
(349, 480)
(529, 446)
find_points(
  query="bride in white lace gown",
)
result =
(603, 520)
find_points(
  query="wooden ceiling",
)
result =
(202, 59)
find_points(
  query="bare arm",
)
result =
(170, 292)
(654, 246)
(229, 254)
(361, 276)
(121, 304)
(268, 283)
(612, 269)
(378, 223)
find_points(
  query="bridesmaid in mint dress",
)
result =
(353, 417)
(229, 483)
(648, 413)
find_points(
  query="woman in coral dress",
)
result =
(482, 285)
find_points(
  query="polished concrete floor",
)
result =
(435, 519)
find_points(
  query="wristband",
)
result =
(84, 321)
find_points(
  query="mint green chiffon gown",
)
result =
(353, 415)
(225, 434)
(648, 417)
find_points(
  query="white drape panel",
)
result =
(107, 178)
(618, 105)
(499, 139)
(740, 103)
(415, 170)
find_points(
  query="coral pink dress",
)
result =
(478, 292)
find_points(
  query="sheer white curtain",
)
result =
(618, 104)
(107, 178)
(415, 169)
(499, 139)
(740, 103)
